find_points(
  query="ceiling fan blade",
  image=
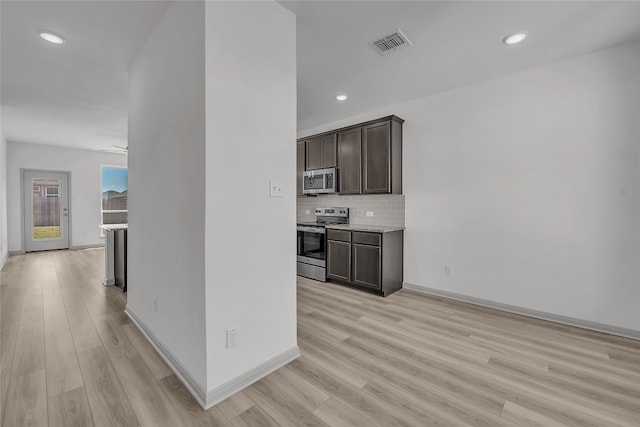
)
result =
(118, 151)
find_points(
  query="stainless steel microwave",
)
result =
(320, 181)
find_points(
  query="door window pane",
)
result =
(46, 209)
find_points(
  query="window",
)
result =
(36, 190)
(52, 191)
(115, 183)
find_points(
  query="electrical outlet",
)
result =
(448, 270)
(232, 337)
(369, 213)
(276, 188)
(155, 304)
(307, 212)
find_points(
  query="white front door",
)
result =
(46, 210)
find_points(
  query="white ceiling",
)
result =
(76, 94)
(455, 43)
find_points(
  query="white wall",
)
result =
(166, 186)
(86, 195)
(529, 186)
(4, 243)
(4, 249)
(251, 122)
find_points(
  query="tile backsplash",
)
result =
(388, 209)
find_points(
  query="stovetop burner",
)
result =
(327, 216)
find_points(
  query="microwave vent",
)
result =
(390, 43)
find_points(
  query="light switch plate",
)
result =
(276, 188)
(448, 270)
(232, 337)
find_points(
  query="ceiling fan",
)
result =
(118, 149)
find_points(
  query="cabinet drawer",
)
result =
(373, 239)
(339, 235)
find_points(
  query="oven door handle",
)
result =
(319, 230)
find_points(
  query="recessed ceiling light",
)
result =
(51, 38)
(341, 97)
(514, 38)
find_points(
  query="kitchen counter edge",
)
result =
(364, 227)
(113, 227)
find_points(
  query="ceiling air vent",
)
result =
(389, 43)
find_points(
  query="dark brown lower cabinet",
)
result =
(365, 260)
(338, 260)
(366, 265)
(120, 258)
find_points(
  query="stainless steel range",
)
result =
(312, 242)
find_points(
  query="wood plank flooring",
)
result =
(71, 358)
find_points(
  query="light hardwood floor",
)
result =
(70, 357)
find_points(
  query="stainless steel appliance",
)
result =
(312, 242)
(320, 181)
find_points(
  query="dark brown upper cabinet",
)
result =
(314, 154)
(382, 157)
(369, 156)
(300, 159)
(329, 151)
(350, 161)
(321, 152)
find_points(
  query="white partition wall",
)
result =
(166, 190)
(250, 250)
(4, 245)
(212, 121)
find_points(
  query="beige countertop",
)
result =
(365, 227)
(110, 227)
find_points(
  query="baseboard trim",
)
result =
(73, 248)
(208, 399)
(585, 324)
(196, 389)
(80, 247)
(228, 389)
(3, 260)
